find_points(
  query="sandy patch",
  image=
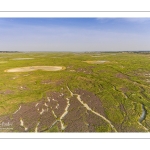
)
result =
(121, 76)
(72, 70)
(34, 68)
(96, 62)
(147, 80)
(22, 58)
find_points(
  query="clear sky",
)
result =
(74, 34)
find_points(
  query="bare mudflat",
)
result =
(22, 58)
(34, 68)
(97, 62)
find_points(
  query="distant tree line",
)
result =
(9, 52)
(118, 52)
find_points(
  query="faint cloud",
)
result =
(137, 20)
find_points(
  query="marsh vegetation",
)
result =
(75, 92)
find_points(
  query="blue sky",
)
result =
(74, 34)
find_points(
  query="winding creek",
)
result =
(143, 115)
(64, 114)
(36, 128)
(63, 126)
(89, 109)
(17, 110)
(22, 124)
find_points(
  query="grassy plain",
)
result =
(121, 83)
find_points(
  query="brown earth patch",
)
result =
(121, 76)
(92, 100)
(47, 82)
(79, 119)
(7, 92)
(95, 121)
(57, 102)
(85, 70)
(124, 89)
(83, 79)
(74, 119)
(53, 82)
(46, 113)
(37, 113)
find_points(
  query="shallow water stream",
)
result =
(143, 115)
